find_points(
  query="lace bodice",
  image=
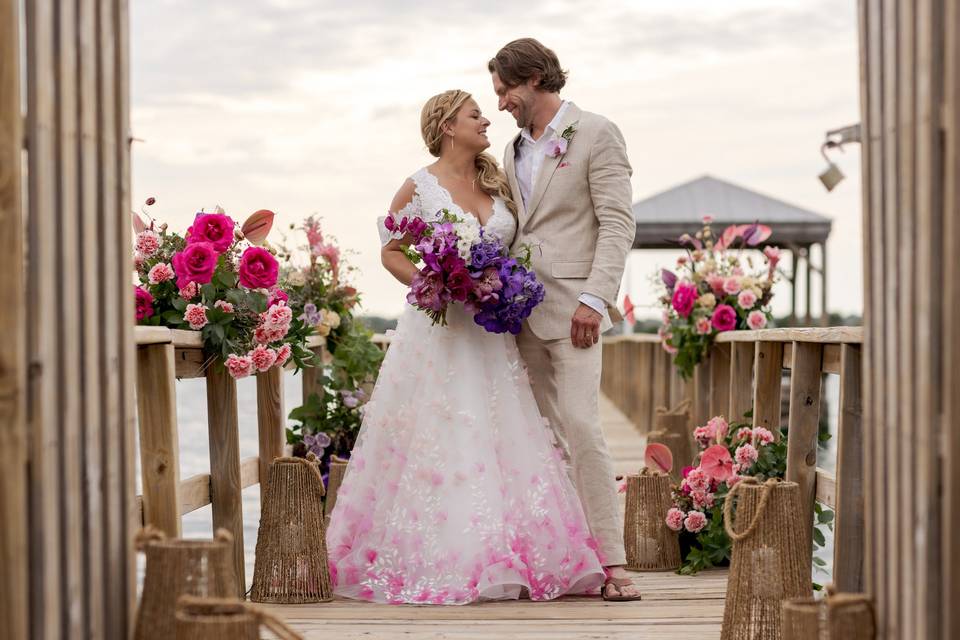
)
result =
(430, 198)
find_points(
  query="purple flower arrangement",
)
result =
(463, 264)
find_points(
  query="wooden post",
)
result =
(225, 488)
(270, 420)
(720, 379)
(803, 426)
(701, 396)
(313, 376)
(824, 313)
(741, 379)
(766, 390)
(644, 386)
(159, 441)
(849, 533)
(14, 585)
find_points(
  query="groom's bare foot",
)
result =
(619, 586)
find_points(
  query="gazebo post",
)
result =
(793, 285)
(824, 316)
(808, 293)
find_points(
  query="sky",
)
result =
(310, 107)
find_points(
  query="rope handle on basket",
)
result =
(677, 410)
(222, 535)
(275, 624)
(234, 605)
(311, 463)
(146, 535)
(728, 508)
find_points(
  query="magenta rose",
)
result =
(144, 303)
(460, 284)
(258, 269)
(215, 228)
(724, 318)
(196, 263)
(278, 296)
(684, 298)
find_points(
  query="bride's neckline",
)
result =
(483, 223)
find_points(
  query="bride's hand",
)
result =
(585, 327)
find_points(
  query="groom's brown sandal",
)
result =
(618, 595)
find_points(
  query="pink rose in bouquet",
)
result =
(724, 318)
(144, 302)
(196, 263)
(215, 228)
(684, 297)
(258, 269)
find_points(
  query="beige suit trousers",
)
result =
(566, 384)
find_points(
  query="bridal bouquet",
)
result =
(463, 264)
(716, 288)
(218, 280)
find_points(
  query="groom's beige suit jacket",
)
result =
(579, 221)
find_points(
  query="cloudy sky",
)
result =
(312, 107)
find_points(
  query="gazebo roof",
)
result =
(663, 217)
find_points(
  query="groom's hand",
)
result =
(585, 327)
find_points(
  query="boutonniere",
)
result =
(558, 145)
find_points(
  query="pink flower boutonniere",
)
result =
(558, 145)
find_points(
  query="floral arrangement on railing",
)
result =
(716, 288)
(728, 452)
(223, 281)
(320, 295)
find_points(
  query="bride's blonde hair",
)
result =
(441, 109)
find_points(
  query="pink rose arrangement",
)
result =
(716, 287)
(726, 454)
(219, 279)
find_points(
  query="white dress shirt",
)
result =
(528, 161)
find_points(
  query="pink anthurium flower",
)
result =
(717, 463)
(257, 226)
(658, 457)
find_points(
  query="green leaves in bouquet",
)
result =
(691, 347)
(523, 255)
(411, 254)
(709, 548)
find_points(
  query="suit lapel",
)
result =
(510, 167)
(550, 164)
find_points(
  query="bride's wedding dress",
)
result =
(455, 490)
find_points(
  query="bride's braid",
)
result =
(441, 109)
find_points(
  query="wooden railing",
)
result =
(744, 370)
(163, 356)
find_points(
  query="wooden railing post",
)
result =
(849, 539)
(720, 380)
(225, 485)
(701, 394)
(803, 423)
(270, 420)
(766, 389)
(741, 379)
(313, 376)
(159, 442)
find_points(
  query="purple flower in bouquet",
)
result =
(427, 291)
(310, 314)
(316, 442)
(485, 254)
(488, 286)
(459, 283)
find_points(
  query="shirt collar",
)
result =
(551, 128)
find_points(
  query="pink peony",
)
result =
(703, 326)
(196, 315)
(697, 480)
(190, 291)
(716, 463)
(744, 433)
(731, 285)
(263, 357)
(746, 455)
(724, 318)
(224, 306)
(703, 435)
(757, 320)
(239, 366)
(702, 499)
(684, 297)
(160, 272)
(279, 315)
(258, 269)
(144, 302)
(196, 263)
(695, 521)
(138, 261)
(265, 335)
(675, 519)
(215, 228)
(148, 242)
(763, 436)
(716, 284)
(747, 299)
(283, 354)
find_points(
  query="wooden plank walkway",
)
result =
(674, 607)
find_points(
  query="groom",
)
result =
(570, 178)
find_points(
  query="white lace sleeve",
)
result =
(389, 229)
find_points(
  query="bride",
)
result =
(456, 490)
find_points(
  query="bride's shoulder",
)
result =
(406, 194)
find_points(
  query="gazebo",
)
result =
(663, 217)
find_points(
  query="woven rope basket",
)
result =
(224, 619)
(839, 616)
(338, 468)
(649, 542)
(291, 562)
(177, 567)
(769, 561)
(672, 428)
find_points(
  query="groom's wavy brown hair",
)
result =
(522, 59)
(441, 109)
